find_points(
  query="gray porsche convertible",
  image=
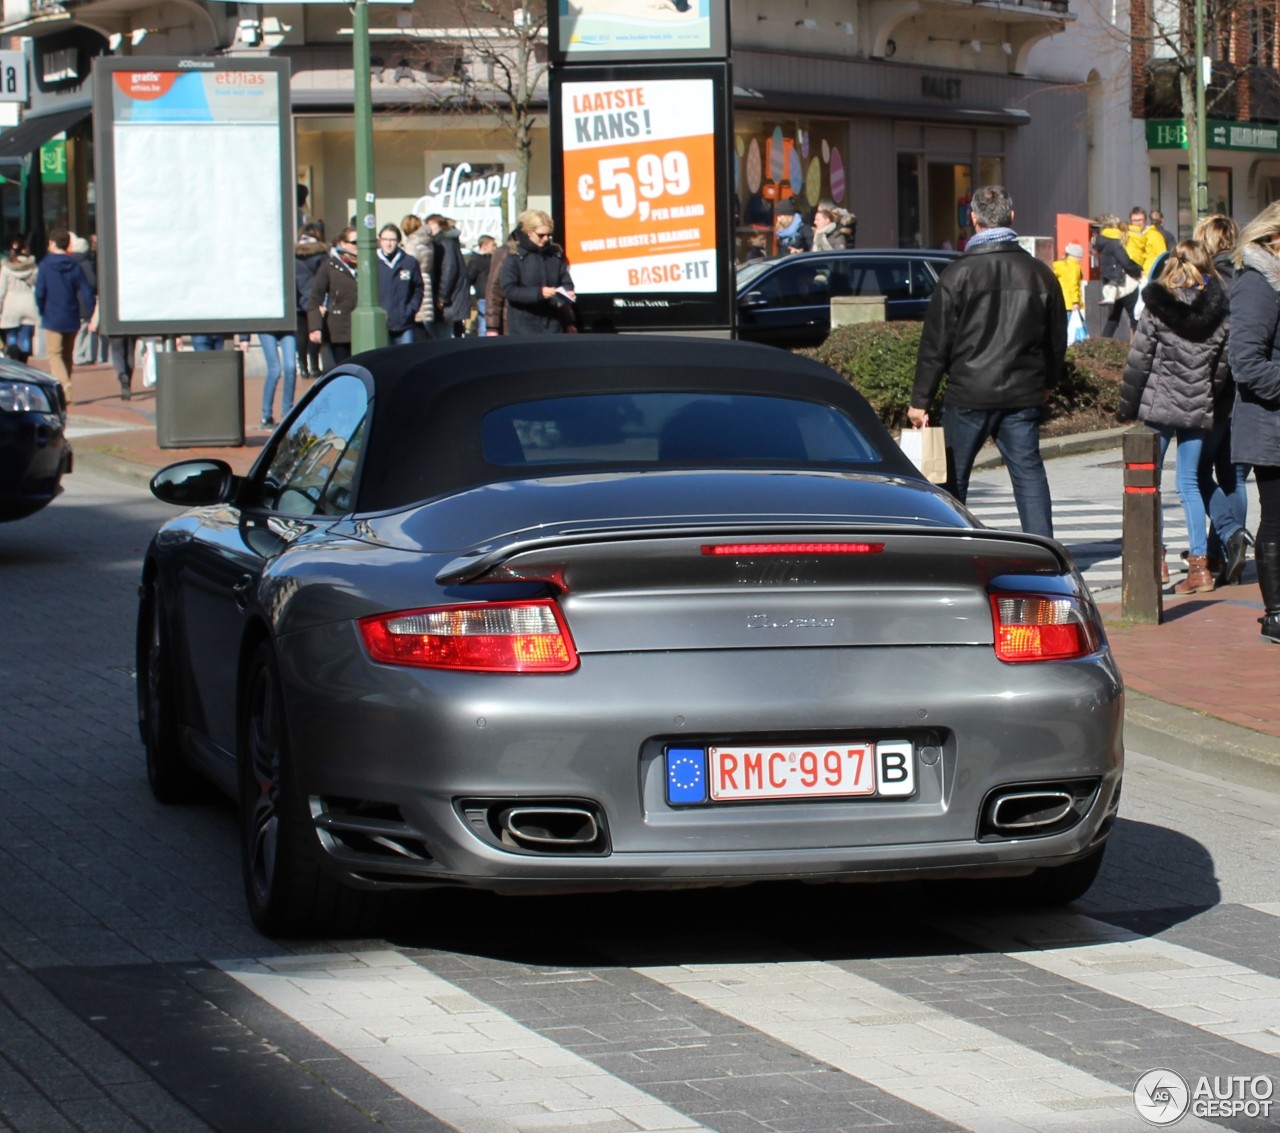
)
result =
(594, 613)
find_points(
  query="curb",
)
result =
(1197, 742)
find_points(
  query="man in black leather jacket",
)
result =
(996, 327)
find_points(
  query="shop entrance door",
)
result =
(947, 205)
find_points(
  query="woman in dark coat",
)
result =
(1222, 481)
(1119, 274)
(333, 297)
(536, 280)
(1176, 366)
(1255, 365)
(309, 253)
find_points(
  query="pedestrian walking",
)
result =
(790, 233)
(1157, 222)
(495, 301)
(308, 254)
(399, 286)
(280, 352)
(417, 242)
(1070, 274)
(451, 293)
(479, 264)
(18, 314)
(86, 347)
(827, 236)
(1222, 480)
(333, 297)
(61, 290)
(1177, 365)
(1143, 243)
(1120, 274)
(536, 281)
(1254, 352)
(996, 328)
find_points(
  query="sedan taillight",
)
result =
(1035, 627)
(494, 637)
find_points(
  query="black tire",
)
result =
(287, 890)
(172, 779)
(1060, 885)
(1047, 887)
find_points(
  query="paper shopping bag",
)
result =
(927, 449)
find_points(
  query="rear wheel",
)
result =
(1060, 885)
(170, 776)
(288, 892)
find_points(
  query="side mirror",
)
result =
(194, 483)
(752, 299)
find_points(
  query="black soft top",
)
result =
(425, 437)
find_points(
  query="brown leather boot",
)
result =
(1199, 578)
(1164, 566)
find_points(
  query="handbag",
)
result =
(927, 449)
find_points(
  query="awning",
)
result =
(829, 106)
(31, 133)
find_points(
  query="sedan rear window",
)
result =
(673, 429)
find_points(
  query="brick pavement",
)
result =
(1205, 659)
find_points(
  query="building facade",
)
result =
(896, 109)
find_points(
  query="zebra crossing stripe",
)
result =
(445, 1050)
(1214, 995)
(964, 1073)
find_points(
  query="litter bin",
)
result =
(199, 398)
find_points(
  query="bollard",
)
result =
(1142, 597)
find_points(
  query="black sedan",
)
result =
(786, 301)
(34, 451)
(597, 613)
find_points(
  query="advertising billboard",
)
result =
(642, 177)
(196, 195)
(589, 31)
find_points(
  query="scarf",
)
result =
(991, 236)
(344, 259)
(1267, 263)
(391, 263)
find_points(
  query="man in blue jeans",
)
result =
(996, 327)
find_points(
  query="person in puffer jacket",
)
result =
(1255, 366)
(1177, 366)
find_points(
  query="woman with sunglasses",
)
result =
(333, 297)
(535, 280)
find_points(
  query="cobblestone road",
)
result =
(135, 994)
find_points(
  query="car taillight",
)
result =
(736, 549)
(1034, 627)
(494, 637)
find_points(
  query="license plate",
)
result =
(850, 770)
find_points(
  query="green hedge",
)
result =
(879, 360)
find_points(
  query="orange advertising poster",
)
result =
(640, 191)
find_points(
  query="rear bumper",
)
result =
(416, 744)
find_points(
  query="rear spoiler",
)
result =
(473, 565)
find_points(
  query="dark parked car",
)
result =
(786, 301)
(608, 613)
(34, 451)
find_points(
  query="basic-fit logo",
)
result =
(1161, 1097)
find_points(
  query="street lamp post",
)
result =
(368, 320)
(1200, 199)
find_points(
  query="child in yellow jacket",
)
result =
(1070, 274)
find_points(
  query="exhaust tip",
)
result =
(1030, 809)
(549, 827)
(1035, 809)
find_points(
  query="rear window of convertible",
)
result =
(673, 429)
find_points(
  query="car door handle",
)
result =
(242, 590)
